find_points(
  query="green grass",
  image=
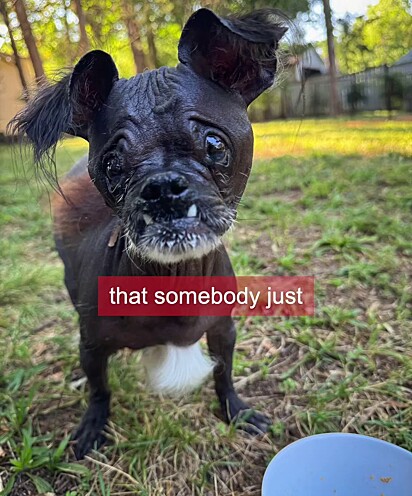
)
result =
(329, 198)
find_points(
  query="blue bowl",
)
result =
(339, 464)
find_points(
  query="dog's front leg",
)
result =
(221, 341)
(90, 433)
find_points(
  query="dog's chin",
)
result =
(173, 241)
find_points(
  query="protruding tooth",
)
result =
(147, 219)
(192, 212)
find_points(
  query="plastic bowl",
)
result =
(339, 465)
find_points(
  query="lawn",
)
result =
(328, 198)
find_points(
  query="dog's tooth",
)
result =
(147, 219)
(192, 212)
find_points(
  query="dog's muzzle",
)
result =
(173, 222)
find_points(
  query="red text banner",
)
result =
(206, 296)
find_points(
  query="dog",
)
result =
(170, 152)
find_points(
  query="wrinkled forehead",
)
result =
(167, 96)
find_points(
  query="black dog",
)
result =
(170, 153)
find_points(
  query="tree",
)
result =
(137, 33)
(334, 98)
(84, 44)
(30, 41)
(380, 37)
(133, 30)
(151, 44)
(17, 61)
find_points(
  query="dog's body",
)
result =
(170, 154)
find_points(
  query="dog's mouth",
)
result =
(172, 234)
(189, 214)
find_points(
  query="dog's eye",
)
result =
(113, 166)
(216, 149)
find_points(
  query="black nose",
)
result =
(164, 185)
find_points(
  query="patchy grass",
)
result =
(335, 202)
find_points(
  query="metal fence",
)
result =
(363, 91)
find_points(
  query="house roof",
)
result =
(305, 55)
(406, 59)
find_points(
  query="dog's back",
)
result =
(78, 210)
(81, 207)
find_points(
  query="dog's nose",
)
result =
(164, 185)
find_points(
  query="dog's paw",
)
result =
(252, 422)
(245, 418)
(91, 432)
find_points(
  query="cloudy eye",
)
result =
(216, 150)
(113, 166)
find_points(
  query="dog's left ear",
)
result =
(237, 53)
(68, 106)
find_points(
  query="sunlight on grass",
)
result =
(326, 136)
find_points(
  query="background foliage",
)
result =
(55, 26)
(382, 36)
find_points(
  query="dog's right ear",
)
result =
(237, 53)
(68, 106)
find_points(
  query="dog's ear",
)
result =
(90, 85)
(238, 53)
(67, 106)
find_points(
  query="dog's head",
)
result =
(170, 149)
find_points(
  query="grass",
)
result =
(329, 198)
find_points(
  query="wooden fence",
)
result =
(363, 91)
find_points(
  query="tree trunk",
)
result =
(84, 44)
(334, 98)
(154, 61)
(70, 55)
(30, 41)
(133, 31)
(17, 60)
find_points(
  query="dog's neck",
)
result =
(208, 265)
(131, 264)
